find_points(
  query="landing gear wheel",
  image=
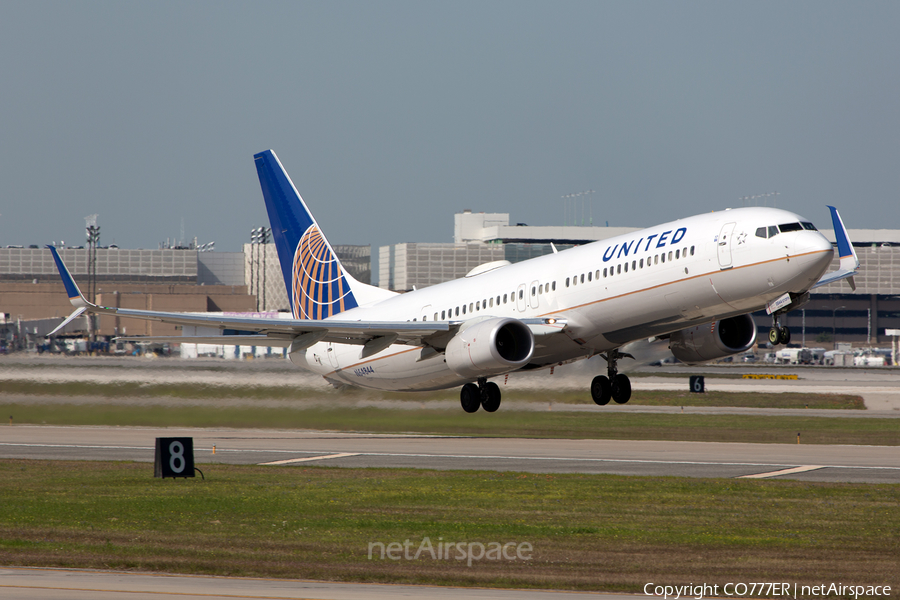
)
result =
(774, 336)
(784, 336)
(621, 389)
(490, 396)
(601, 390)
(470, 397)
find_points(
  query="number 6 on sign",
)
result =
(174, 457)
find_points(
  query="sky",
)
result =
(391, 116)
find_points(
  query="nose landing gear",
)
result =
(614, 385)
(779, 334)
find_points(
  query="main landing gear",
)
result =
(779, 334)
(486, 395)
(616, 386)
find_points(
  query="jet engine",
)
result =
(714, 340)
(490, 347)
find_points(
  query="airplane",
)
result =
(693, 281)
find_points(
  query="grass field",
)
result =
(195, 391)
(597, 532)
(507, 422)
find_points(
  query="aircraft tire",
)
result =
(621, 389)
(490, 397)
(784, 336)
(601, 390)
(470, 397)
(774, 336)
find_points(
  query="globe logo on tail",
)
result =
(319, 287)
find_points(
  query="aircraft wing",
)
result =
(849, 261)
(294, 333)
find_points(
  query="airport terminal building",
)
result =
(181, 279)
(32, 299)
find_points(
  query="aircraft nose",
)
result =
(813, 241)
(815, 244)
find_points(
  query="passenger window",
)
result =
(663, 257)
(589, 275)
(604, 272)
(567, 282)
(656, 259)
(464, 309)
(521, 294)
(670, 256)
(642, 263)
(504, 298)
(492, 303)
(597, 276)
(533, 291)
(677, 253)
(554, 286)
(443, 315)
(626, 267)
(478, 305)
(484, 303)
(435, 316)
(692, 250)
(619, 269)
(633, 265)
(470, 307)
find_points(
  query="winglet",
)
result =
(849, 261)
(845, 249)
(75, 296)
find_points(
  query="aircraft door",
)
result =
(724, 246)
(520, 298)
(533, 294)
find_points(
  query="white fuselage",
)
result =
(648, 283)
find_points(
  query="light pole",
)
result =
(833, 331)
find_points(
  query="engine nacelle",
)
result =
(713, 340)
(490, 347)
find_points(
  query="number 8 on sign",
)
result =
(176, 454)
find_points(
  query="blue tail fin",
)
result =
(316, 281)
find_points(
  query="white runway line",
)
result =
(311, 458)
(801, 469)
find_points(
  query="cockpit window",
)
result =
(773, 231)
(784, 228)
(761, 232)
(809, 226)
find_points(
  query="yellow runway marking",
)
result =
(802, 469)
(310, 458)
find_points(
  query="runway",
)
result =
(280, 448)
(84, 584)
